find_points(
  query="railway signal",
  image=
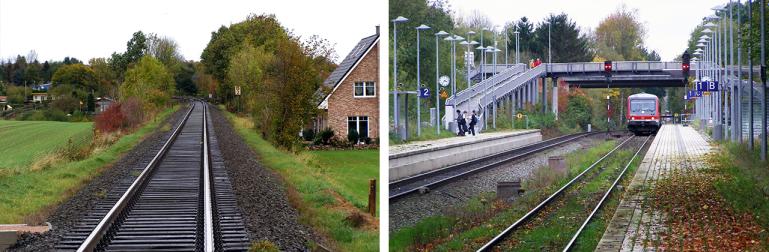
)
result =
(607, 68)
(686, 60)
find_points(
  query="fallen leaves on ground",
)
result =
(698, 218)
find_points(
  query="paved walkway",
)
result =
(675, 147)
(429, 144)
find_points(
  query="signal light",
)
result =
(607, 68)
(685, 58)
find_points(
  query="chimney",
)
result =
(377, 30)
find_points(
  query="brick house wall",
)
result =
(343, 104)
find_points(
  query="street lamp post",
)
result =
(517, 58)
(738, 90)
(419, 83)
(437, 76)
(763, 83)
(469, 62)
(750, 78)
(395, 21)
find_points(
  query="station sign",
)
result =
(709, 86)
(694, 94)
(424, 92)
(444, 94)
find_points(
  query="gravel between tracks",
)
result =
(261, 194)
(72, 210)
(413, 208)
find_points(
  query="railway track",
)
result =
(414, 184)
(581, 177)
(180, 201)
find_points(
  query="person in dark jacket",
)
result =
(473, 122)
(460, 121)
(463, 122)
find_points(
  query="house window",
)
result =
(365, 89)
(359, 124)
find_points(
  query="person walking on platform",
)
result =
(460, 122)
(473, 121)
(465, 120)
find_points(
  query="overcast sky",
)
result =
(668, 22)
(87, 29)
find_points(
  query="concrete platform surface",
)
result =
(419, 157)
(675, 147)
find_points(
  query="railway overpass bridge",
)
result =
(519, 85)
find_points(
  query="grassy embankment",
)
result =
(34, 174)
(471, 225)
(327, 187)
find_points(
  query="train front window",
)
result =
(643, 107)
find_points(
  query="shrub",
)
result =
(133, 112)
(326, 135)
(353, 136)
(111, 119)
(308, 134)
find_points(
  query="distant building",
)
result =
(40, 97)
(353, 103)
(3, 103)
(102, 104)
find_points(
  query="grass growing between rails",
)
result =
(723, 206)
(327, 205)
(30, 195)
(23, 142)
(468, 227)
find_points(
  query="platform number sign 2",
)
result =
(424, 93)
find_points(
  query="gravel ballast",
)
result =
(72, 210)
(261, 194)
(413, 208)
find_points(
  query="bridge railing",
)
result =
(484, 85)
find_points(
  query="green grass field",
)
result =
(28, 196)
(21, 142)
(310, 175)
(349, 172)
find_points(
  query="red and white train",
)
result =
(643, 114)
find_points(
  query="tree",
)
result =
(105, 77)
(149, 81)
(184, 79)
(291, 81)
(247, 70)
(579, 111)
(620, 36)
(261, 30)
(135, 48)
(568, 45)
(166, 51)
(78, 76)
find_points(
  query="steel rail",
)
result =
(501, 236)
(208, 225)
(605, 196)
(95, 237)
(536, 147)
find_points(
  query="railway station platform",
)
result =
(410, 159)
(674, 147)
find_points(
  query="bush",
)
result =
(133, 112)
(111, 119)
(326, 135)
(353, 136)
(308, 134)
